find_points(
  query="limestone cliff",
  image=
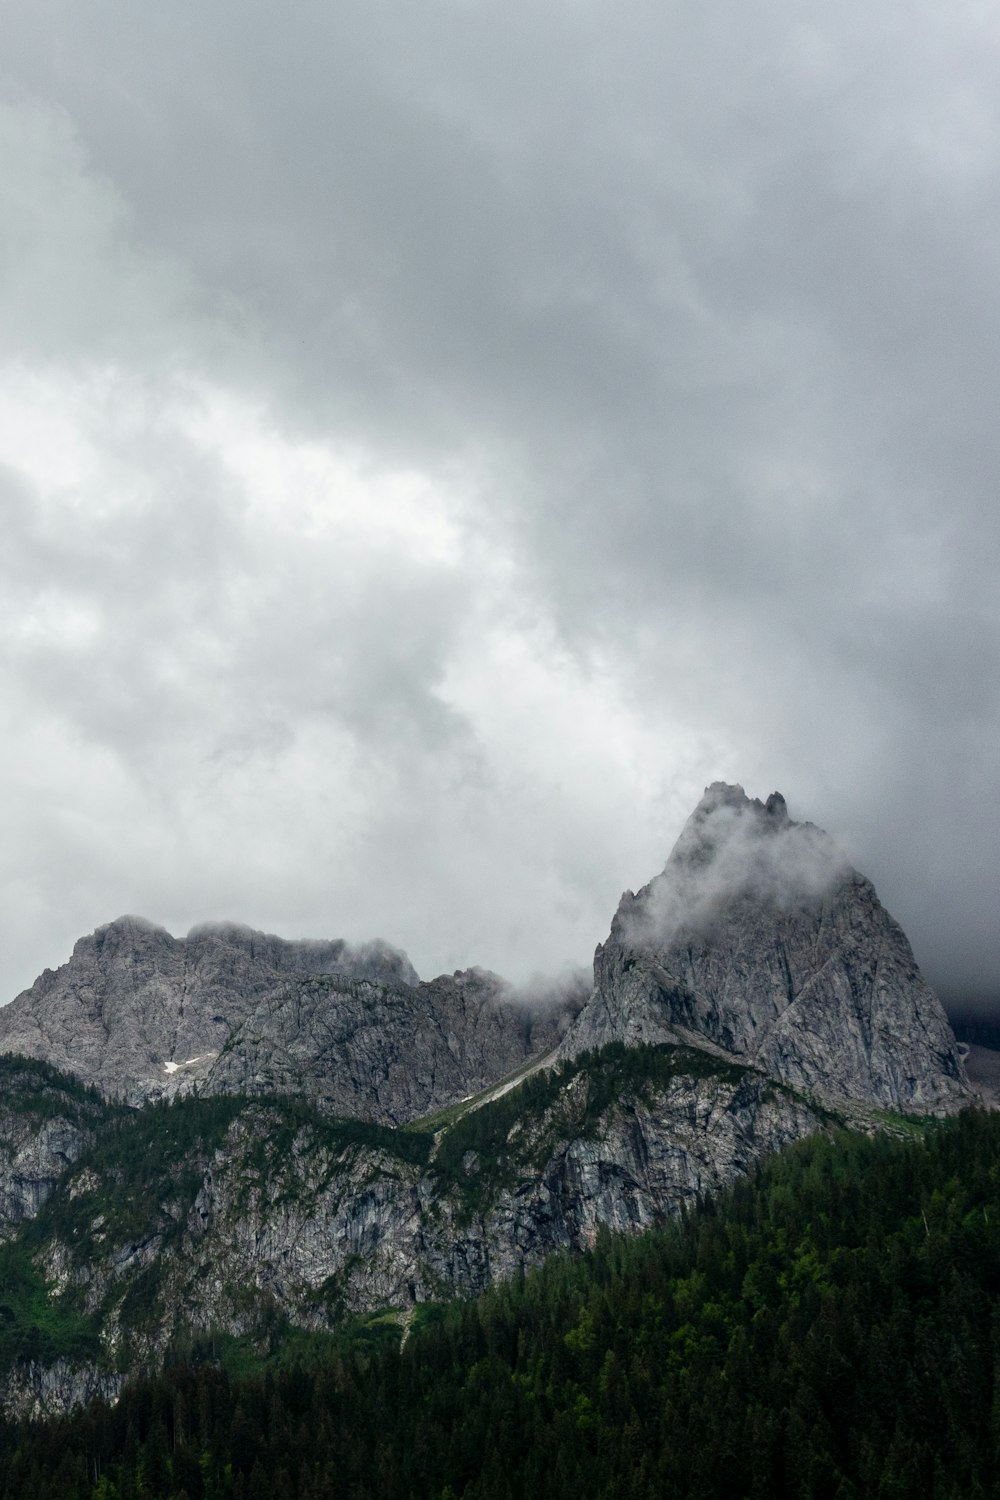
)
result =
(46, 1122)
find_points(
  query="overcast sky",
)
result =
(437, 440)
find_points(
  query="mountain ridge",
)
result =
(757, 937)
(143, 1014)
(357, 1138)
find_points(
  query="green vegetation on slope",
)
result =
(518, 1131)
(135, 1185)
(829, 1331)
(33, 1325)
(34, 1088)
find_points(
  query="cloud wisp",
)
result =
(733, 847)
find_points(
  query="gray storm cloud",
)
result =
(435, 441)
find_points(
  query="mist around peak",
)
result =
(567, 990)
(734, 847)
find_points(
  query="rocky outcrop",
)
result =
(46, 1122)
(759, 939)
(386, 1235)
(135, 1010)
(33, 1156)
(34, 1389)
(650, 1154)
(389, 1053)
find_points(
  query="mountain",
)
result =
(134, 1006)
(143, 1015)
(252, 1135)
(758, 938)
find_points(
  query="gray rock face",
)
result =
(759, 939)
(650, 1156)
(33, 1156)
(388, 1053)
(144, 1015)
(43, 1131)
(36, 1390)
(134, 1005)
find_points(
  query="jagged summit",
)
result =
(759, 938)
(726, 818)
(732, 794)
(141, 1013)
(122, 929)
(733, 845)
(133, 1001)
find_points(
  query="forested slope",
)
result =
(829, 1329)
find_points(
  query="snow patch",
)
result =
(172, 1067)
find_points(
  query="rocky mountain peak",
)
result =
(726, 817)
(134, 1006)
(776, 807)
(759, 939)
(733, 845)
(124, 932)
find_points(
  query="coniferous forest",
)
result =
(830, 1329)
